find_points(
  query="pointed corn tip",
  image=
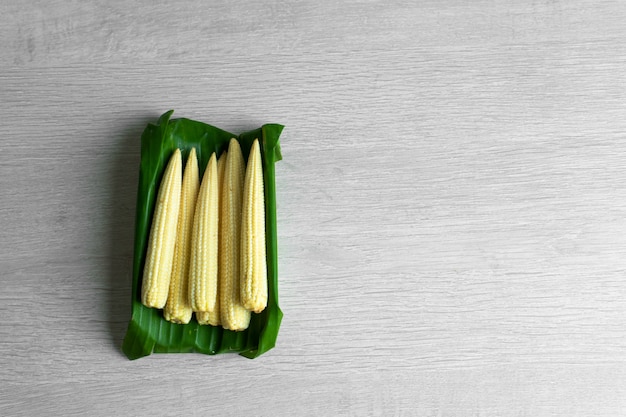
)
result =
(176, 160)
(233, 145)
(192, 161)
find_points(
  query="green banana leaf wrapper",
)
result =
(148, 331)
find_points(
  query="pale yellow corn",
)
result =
(178, 307)
(234, 316)
(204, 317)
(203, 261)
(253, 261)
(158, 266)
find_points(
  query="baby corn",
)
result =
(233, 315)
(158, 265)
(178, 307)
(214, 318)
(253, 262)
(203, 261)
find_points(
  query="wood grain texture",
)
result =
(451, 205)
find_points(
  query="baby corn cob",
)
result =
(203, 261)
(234, 316)
(158, 265)
(253, 261)
(214, 318)
(178, 307)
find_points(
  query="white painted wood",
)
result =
(451, 203)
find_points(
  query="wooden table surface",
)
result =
(451, 203)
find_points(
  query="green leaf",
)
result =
(148, 331)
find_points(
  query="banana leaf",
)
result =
(147, 330)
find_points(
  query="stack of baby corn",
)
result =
(206, 252)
